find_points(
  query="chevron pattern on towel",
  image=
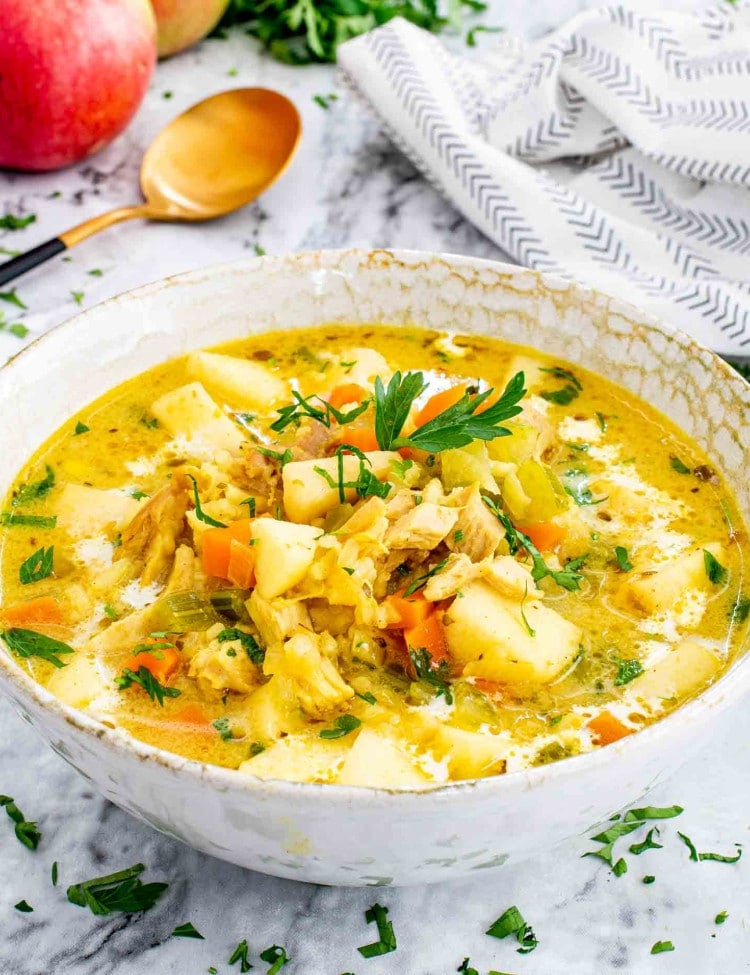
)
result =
(615, 151)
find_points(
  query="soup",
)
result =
(372, 556)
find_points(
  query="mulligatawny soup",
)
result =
(372, 556)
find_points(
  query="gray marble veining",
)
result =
(347, 186)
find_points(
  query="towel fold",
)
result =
(615, 151)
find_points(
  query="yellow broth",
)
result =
(638, 606)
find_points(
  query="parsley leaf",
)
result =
(37, 566)
(567, 578)
(187, 931)
(438, 677)
(649, 878)
(393, 403)
(53, 873)
(627, 670)
(9, 518)
(200, 514)
(620, 868)
(623, 562)
(80, 428)
(36, 489)
(422, 580)
(344, 725)
(661, 946)
(240, 954)
(677, 465)
(11, 222)
(386, 943)
(250, 645)
(277, 955)
(222, 726)
(512, 922)
(145, 679)
(121, 891)
(305, 408)
(716, 572)
(12, 298)
(29, 643)
(26, 831)
(648, 844)
(24, 907)
(721, 917)
(366, 484)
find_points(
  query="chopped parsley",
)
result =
(250, 645)
(111, 612)
(455, 426)
(561, 397)
(741, 608)
(282, 458)
(80, 428)
(559, 373)
(602, 421)
(277, 956)
(146, 680)
(260, 251)
(11, 297)
(367, 696)
(303, 407)
(366, 484)
(567, 578)
(37, 566)
(95, 272)
(696, 857)
(438, 677)
(421, 581)
(386, 942)
(200, 514)
(716, 572)
(187, 930)
(648, 844)
(632, 820)
(240, 954)
(721, 917)
(53, 873)
(627, 670)
(26, 831)
(11, 222)
(661, 946)
(529, 629)
(150, 422)
(512, 922)
(10, 518)
(401, 467)
(620, 868)
(345, 724)
(24, 907)
(28, 643)
(325, 101)
(28, 493)
(649, 878)
(116, 892)
(623, 562)
(77, 297)
(222, 726)
(677, 465)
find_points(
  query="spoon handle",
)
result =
(17, 266)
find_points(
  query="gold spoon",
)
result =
(214, 158)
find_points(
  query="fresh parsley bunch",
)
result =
(303, 31)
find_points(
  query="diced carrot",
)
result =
(217, 546)
(439, 402)
(163, 662)
(192, 714)
(241, 569)
(43, 609)
(363, 438)
(429, 635)
(546, 535)
(607, 728)
(347, 393)
(242, 530)
(407, 610)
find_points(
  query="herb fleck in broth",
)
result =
(294, 556)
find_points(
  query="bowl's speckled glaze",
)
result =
(345, 835)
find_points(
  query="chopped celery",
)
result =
(182, 612)
(468, 465)
(516, 448)
(337, 516)
(546, 493)
(230, 604)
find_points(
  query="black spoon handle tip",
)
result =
(17, 266)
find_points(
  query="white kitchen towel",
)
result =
(615, 151)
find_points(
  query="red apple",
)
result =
(72, 74)
(181, 23)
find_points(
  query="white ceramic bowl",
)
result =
(336, 834)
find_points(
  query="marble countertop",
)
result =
(347, 186)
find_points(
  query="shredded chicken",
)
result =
(318, 685)
(182, 576)
(478, 533)
(458, 570)
(150, 538)
(423, 527)
(224, 666)
(509, 577)
(260, 478)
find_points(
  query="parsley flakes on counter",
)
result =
(386, 942)
(512, 922)
(123, 891)
(26, 832)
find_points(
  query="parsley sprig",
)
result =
(567, 578)
(28, 643)
(122, 891)
(456, 426)
(145, 679)
(38, 566)
(366, 484)
(438, 676)
(325, 414)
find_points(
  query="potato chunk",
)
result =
(191, 413)
(299, 758)
(240, 383)
(683, 668)
(283, 554)
(375, 760)
(86, 511)
(659, 591)
(487, 635)
(308, 495)
(82, 681)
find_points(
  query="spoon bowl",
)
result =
(219, 155)
(214, 158)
